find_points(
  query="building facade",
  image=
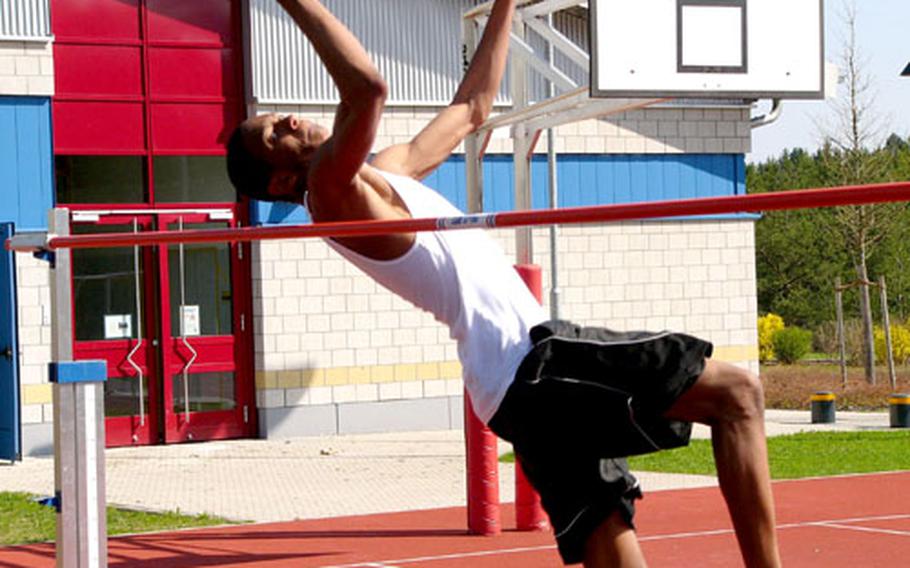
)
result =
(283, 338)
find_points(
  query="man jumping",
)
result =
(573, 401)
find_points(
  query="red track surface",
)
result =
(855, 521)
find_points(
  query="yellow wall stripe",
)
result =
(37, 394)
(408, 372)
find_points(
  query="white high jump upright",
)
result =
(78, 395)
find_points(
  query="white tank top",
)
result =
(464, 279)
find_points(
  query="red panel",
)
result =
(107, 19)
(192, 127)
(193, 73)
(115, 352)
(196, 21)
(97, 70)
(98, 128)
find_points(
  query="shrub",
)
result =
(768, 325)
(900, 343)
(791, 344)
(825, 340)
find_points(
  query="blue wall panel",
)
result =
(26, 162)
(584, 179)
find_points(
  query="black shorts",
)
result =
(582, 400)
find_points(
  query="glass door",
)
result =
(170, 320)
(207, 389)
(115, 321)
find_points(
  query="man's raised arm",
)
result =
(470, 106)
(362, 88)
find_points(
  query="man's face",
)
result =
(287, 143)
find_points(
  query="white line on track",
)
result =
(866, 529)
(390, 563)
(830, 523)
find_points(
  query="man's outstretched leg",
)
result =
(730, 400)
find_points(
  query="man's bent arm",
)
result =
(359, 83)
(470, 107)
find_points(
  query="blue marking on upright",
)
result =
(86, 371)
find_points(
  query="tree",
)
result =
(799, 255)
(847, 160)
(797, 258)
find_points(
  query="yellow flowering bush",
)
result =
(900, 343)
(768, 325)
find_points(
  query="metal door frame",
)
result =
(10, 352)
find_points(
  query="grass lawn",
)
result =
(23, 521)
(808, 454)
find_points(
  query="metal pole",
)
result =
(521, 138)
(137, 285)
(886, 321)
(193, 354)
(841, 341)
(554, 198)
(78, 432)
(472, 155)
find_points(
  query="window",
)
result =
(186, 179)
(100, 179)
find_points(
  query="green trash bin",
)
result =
(822, 405)
(900, 410)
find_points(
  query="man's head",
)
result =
(268, 156)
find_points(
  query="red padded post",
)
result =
(484, 516)
(529, 515)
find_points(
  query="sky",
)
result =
(883, 39)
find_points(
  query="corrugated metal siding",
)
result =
(26, 159)
(416, 44)
(584, 179)
(24, 19)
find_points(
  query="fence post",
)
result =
(886, 320)
(841, 341)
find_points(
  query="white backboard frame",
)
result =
(743, 49)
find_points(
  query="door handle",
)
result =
(8, 352)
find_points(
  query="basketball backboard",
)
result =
(707, 48)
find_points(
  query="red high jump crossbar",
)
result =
(755, 203)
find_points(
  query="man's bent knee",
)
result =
(742, 395)
(723, 393)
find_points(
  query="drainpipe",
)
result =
(777, 107)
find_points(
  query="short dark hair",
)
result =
(249, 174)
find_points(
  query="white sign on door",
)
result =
(190, 316)
(118, 326)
